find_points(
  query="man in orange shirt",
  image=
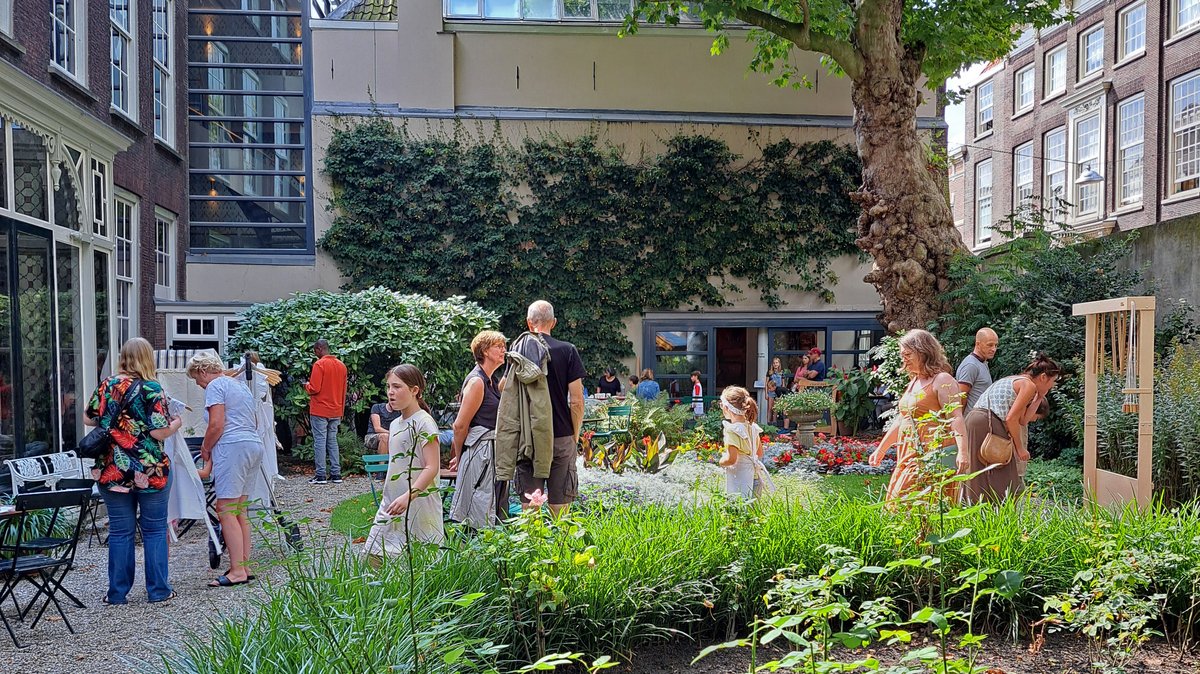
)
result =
(327, 402)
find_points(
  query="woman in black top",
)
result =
(609, 383)
(478, 500)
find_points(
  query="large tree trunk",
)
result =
(906, 224)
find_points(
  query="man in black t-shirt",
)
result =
(565, 379)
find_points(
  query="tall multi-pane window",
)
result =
(125, 238)
(983, 107)
(1186, 15)
(1023, 176)
(248, 131)
(1130, 141)
(983, 201)
(1091, 52)
(1087, 157)
(1056, 71)
(1023, 89)
(1054, 154)
(163, 20)
(1185, 134)
(1133, 30)
(68, 32)
(124, 56)
(164, 254)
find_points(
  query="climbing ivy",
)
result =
(574, 222)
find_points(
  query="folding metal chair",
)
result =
(375, 464)
(45, 559)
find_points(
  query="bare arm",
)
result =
(731, 456)
(575, 389)
(216, 426)
(889, 438)
(1031, 410)
(377, 424)
(1026, 395)
(433, 460)
(164, 433)
(472, 398)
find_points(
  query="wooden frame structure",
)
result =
(1129, 323)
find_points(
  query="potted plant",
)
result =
(805, 407)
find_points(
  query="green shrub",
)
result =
(350, 450)
(853, 388)
(370, 331)
(1060, 480)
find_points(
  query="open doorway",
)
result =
(731, 357)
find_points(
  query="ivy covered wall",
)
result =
(574, 221)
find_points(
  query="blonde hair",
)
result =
(137, 358)
(484, 341)
(205, 361)
(740, 398)
(647, 375)
(925, 345)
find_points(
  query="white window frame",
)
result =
(125, 73)
(1054, 171)
(1131, 44)
(6, 17)
(1185, 129)
(165, 250)
(983, 199)
(475, 9)
(1056, 55)
(217, 129)
(251, 130)
(68, 38)
(1185, 16)
(1023, 89)
(101, 198)
(1084, 41)
(162, 20)
(1080, 211)
(985, 108)
(1022, 195)
(1131, 158)
(126, 275)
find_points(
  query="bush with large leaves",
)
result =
(370, 331)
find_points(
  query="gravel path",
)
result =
(51, 649)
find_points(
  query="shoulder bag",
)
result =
(98, 441)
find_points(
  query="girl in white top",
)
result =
(411, 505)
(745, 474)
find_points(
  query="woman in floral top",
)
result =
(133, 474)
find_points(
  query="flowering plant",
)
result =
(834, 454)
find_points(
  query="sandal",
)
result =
(223, 581)
(249, 576)
(166, 598)
(105, 600)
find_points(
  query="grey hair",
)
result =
(205, 361)
(540, 312)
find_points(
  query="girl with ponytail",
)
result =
(745, 474)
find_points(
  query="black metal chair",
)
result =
(46, 557)
(94, 502)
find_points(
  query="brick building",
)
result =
(1097, 118)
(92, 164)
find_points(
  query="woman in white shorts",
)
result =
(232, 444)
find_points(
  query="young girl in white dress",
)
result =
(411, 506)
(745, 474)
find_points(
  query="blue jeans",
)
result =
(324, 432)
(123, 518)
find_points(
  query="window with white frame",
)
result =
(124, 56)
(164, 254)
(543, 10)
(1130, 140)
(1054, 154)
(218, 54)
(1056, 71)
(6, 15)
(983, 201)
(1087, 157)
(125, 238)
(251, 131)
(983, 107)
(1185, 134)
(100, 202)
(1133, 31)
(1091, 52)
(1023, 176)
(163, 19)
(1186, 15)
(68, 36)
(1023, 89)
(194, 332)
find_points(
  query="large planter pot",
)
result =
(806, 426)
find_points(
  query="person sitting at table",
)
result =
(382, 416)
(609, 384)
(647, 388)
(816, 365)
(800, 378)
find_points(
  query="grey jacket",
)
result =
(525, 419)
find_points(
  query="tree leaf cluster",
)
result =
(575, 222)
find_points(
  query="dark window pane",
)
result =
(681, 340)
(236, 158)
(29, 173)
(244, 25)
(668, 365)
(248, 211)
(291, 6)
(237, 131)
(202, 50)
(262, 78)
(266, 186)
(271, 238)
(246, 105)
(797, 340)
(3, 167)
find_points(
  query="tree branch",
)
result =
(802, 35)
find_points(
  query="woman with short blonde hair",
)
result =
(483, 341)
(133, 473)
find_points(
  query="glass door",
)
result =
(8, 414)
(37, 417)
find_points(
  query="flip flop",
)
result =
(223, 581)
(166, 598)
(249, 577)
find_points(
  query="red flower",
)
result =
(646, 440)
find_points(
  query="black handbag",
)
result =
(98, 441)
